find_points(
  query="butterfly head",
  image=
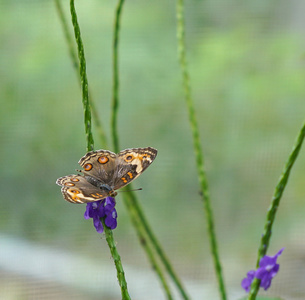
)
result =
(109, 190)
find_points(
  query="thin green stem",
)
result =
(115, 65)
(117, 262)
(83, 77)
(197, 146)
(135, 204)
(74, 59)
(98, 124)
(145, 242)
(156, 244)
(68, 37)
(278, 192)
(90, 143)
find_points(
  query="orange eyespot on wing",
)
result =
(69, 184)
(129, 158)
(74, 191)
(72, 195)
(88, 167)
(103, 159)
(74, 179)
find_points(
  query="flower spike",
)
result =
(102, 209)
(268, 268)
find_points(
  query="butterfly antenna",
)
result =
(133, 190)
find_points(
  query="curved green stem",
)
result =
(115, 65)
(73, 56)
(117, 262)
(197, 147)
(83, 77)
(156, 245)
(90, 143)
(68, 36)
(145, 242)
(139, 213)
(279, 189)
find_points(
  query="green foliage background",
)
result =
(247, 73)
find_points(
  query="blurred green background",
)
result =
(246, 62)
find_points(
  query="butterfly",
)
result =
(104, 172)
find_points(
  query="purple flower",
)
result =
(102, 209)
(268, 268)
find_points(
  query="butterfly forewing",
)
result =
(100, 164)
(131, 163)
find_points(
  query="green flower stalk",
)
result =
(279, 189)
(145, 242)
(90, 145)
(74, 59)
(133, 206)
(83, 77)
(117, 262)
(197, 146)
(157, 246)
(115, 77)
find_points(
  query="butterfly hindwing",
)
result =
(76, 189)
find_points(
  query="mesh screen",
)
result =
(246, 63)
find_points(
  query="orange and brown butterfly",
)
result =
(104, 172)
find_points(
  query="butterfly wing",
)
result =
(76, 189)
(131, 163)
(100, 164)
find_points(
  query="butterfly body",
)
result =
(104, 172)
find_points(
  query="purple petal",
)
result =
(110, 202)
(246, 282)
(280, 252)
(100, 210)
(110, 222)
(275, 270)
(87, 212)
(269, 270)
(266, 283)
(98, 224)
(270, 260)
(267, 261)
(110, 219)
(265, 278)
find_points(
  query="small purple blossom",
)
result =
(268, 268)
(102, 209)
